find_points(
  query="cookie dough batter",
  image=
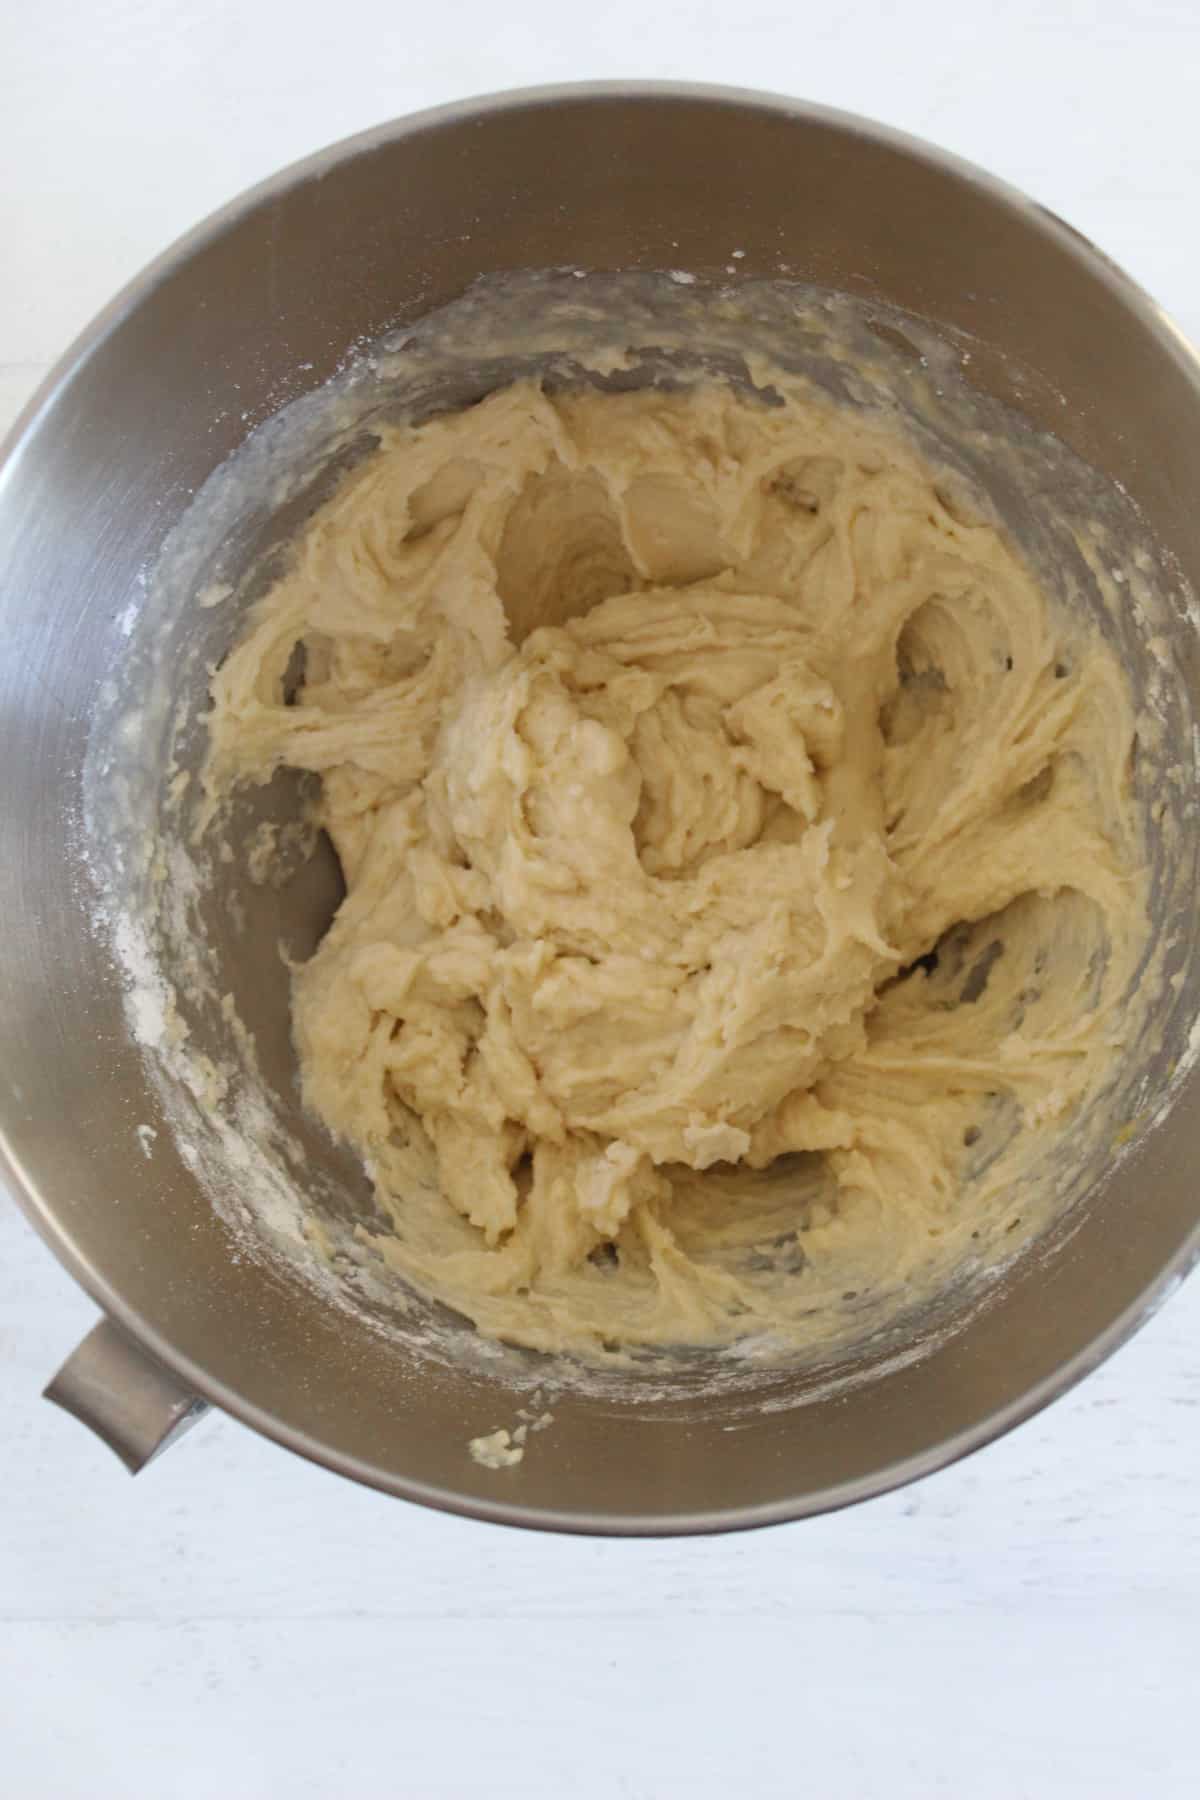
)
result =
(742, 876)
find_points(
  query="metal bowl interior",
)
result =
(258, 307)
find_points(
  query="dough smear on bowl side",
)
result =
(744, 881)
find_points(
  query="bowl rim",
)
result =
(23, 1187)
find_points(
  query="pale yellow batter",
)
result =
(743, 884)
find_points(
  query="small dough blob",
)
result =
(742, 873)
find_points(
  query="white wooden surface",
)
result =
(238, 1624)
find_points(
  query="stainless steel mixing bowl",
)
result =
(262, 301)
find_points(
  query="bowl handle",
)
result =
(125, 1395)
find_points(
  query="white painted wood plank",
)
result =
(1018, 1707)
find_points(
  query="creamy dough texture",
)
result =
(743, 880)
